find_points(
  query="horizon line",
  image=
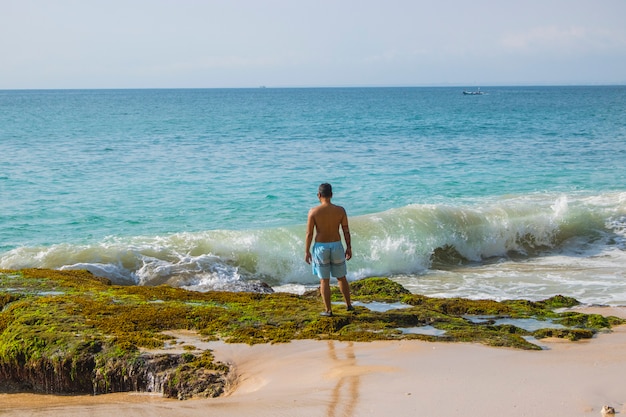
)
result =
(455, 85)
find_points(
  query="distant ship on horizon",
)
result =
(473, 93)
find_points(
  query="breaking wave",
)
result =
(407, 240)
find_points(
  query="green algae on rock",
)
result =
(72, 332)
(378, 289)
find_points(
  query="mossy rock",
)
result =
(377, 289)
(444, 257)
(458, 306)
(596, 321)
(198, 376)
(570, 334)
(559, 301)
(6, 298)
(67, 331)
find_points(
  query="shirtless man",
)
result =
(328, 256)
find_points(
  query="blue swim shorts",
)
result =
(329, 258)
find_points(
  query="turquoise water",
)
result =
(210, 188)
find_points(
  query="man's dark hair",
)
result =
(326, 190)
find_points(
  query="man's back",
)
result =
(327, 219)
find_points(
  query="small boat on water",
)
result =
(473, 93)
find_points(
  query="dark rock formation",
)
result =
(173, 375)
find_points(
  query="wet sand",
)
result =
(398, 378)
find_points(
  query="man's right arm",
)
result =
(310, 225)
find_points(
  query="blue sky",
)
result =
(310, 43)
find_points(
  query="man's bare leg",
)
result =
(325, 291)
(344, 287)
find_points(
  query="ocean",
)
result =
(516, 193)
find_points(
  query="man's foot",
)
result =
(326, 314)
(350, 308)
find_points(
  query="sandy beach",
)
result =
(400, 378)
